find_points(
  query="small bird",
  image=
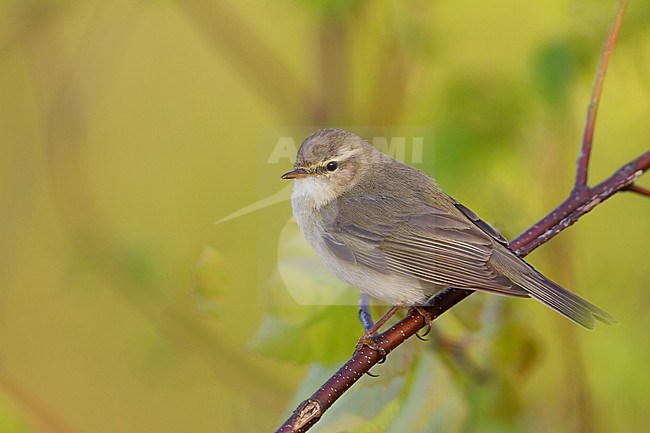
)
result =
(387, 229)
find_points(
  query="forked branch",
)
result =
(581, 200)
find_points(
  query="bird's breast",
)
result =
(388, 287)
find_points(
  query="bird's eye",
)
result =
(332, 166)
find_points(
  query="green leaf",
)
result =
(553, 71)
(325, 335)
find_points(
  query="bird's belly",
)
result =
(390, 288)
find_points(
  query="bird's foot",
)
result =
(428, 318)
(368, 340)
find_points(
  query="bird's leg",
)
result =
(366, 319)
(377, 325)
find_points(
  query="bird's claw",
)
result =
(368, 341)
(428, 318)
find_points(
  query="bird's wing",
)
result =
(447, 249)
(426, 243)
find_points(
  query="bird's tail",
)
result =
(561, 300)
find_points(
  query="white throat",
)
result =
(312, 193)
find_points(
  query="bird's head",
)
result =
(329, 163)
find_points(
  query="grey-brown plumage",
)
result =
(387, 229)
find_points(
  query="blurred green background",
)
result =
(127, 128)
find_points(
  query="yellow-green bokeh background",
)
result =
(127, 128)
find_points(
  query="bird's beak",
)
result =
(296, 173)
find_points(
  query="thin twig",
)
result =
(582, 164)
(638, 189)
(579, 203)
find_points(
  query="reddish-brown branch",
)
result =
(638, 189)
(581, 200)
(582, 164)
(579, 203)
(362, 361)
